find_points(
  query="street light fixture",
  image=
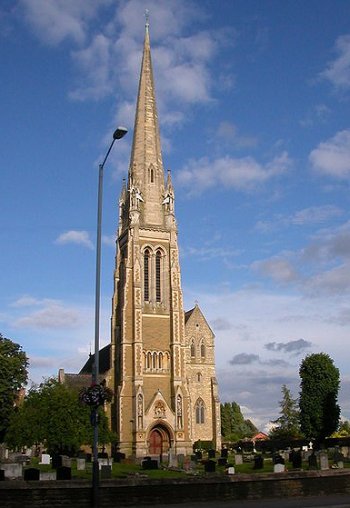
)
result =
(118, 134)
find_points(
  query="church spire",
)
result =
(146, 171)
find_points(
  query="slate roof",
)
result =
(104, 361)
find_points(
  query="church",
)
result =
(160, 362)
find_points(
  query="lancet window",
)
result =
(200, 410)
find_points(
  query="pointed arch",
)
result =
(146, 275)
(158, 272)
(193, 349)
(202, 350)
(200, 411)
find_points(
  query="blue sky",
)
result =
(253, 100)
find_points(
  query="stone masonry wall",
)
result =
(133, 492)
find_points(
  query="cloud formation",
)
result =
(50, 316)
(338, 71)
(242, 174)
(75, 237)
(293, 346)
(244, 359)
(332, 157)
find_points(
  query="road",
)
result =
(334, 501)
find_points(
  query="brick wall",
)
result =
(138, 491)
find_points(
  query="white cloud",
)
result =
(53, 21)
(239, 173)
(338, 71)
(75, 237)
(307, 216)
(332, 157)
(278, 268)
(50, 316)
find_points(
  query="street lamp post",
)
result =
(118, 134)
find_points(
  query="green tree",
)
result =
(343, 430)
(287, 425)
(233, 424)
(319, 410)
(13, 375)
(51, 414)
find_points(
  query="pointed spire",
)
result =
(146, 165)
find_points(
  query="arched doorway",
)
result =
(159, 440)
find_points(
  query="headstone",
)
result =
(296, 459)
(66, 461)
(64, 473)
(118, 456)
(209, 466)
(13, 470)
(56, 461)
(48, 475)
(211, 454)
(102, 462)
(324, 461)
(258, 462)
(340, 464)
(172, 459)
(45, 459)
(31, 474)
(180, 459)
(312, 461)
(2, 475)
(238, 459)
(224, 452)
(149, 463)
(278, 459)
(230, 470)
(279, 468)
(106, 472)
(81, 464)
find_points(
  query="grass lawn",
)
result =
(124, 470)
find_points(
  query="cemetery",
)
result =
(58, 479)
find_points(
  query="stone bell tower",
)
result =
(152, 411)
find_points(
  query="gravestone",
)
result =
(180, 459)
(149, 463)
(278, 459)
(312, 461)
(230, 470)
(66, 461)
(224, 452)
(238, 459)
(211, 454)
(48, 475)
(81, 464)
(118, 456)
(56, 461)
(258, 462)
(64, 473)
(106, 472)
(31, 474)
(45, 459)
(13, 470)
(279, 468)
(172, 459)
(209, 466)
(296, 459)
(102, 462)
(323, 461)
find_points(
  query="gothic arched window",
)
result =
(199, 408)
(146, 258)
(202, 350)
(158, 274)
(193, 350)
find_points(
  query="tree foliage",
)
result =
(287, 425)
(51, 414)
(319, 410)
(13, 375)
(233, 424)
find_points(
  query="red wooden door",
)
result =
(155, 442)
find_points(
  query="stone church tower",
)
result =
(162, 359)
